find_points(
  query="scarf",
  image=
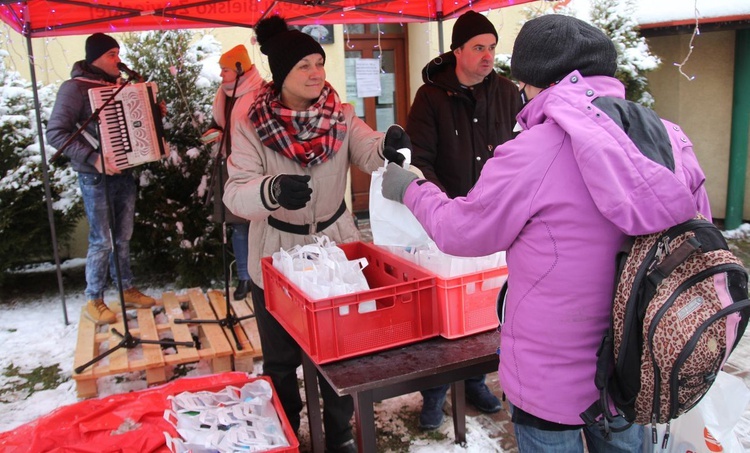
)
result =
(308, 137)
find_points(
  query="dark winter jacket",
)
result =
(455, 129)
(72, 108)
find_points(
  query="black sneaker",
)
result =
(243, 287)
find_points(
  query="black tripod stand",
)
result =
(127, 341)
(231, 320)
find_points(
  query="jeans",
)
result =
(100, 261)
(532, 440)
(438, 392)
(239, 245)
(281, 358)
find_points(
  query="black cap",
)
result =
(97, 45)
(469, 25)
(284, 47)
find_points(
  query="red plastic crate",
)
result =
(468, 303)
(405, 313)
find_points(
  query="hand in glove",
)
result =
(291, 191)
(395, 182)
(397, 138)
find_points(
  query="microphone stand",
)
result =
(231, 319)
(128, 340)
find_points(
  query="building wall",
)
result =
(701, 106)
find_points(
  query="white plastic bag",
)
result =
(710, 425)
(322, 270)
(393, 223)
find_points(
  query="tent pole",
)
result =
(45, 173)
(439, 16)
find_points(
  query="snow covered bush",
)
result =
(24, 220)
(617, 19)
(174, 231)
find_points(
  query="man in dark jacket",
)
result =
(463, 110)
(461, 113)
(72, 108)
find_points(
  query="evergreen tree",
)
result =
(174, 231)
(616, 19)
(24, 221)
(634, 59)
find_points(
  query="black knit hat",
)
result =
(469, 25)
(97, 45)
(284, 47)
(550, 47)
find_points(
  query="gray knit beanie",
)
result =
(550, 47)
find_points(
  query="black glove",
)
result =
(397, 138)
(394, 156)
(291, 191)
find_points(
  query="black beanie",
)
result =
(469, 25)
(284, 47)
(550, 47)
(97, 45)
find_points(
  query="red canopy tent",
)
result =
(37, 18)
(43, 18)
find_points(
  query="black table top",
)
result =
(410, 362)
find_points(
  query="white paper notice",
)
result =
(368, 77)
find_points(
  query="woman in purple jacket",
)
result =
(587, 170)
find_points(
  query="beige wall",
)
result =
(701, 106)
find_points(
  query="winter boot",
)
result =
(431, 416)
(243, 287)
(481, 397)
(98, 312)
(136, 299)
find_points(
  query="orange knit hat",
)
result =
(237, 54)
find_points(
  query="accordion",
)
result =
(130, 125)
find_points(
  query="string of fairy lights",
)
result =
(696, 32)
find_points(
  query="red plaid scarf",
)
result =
(310, 136)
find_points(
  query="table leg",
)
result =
(458, 402)
(364, 415)
(312, 396)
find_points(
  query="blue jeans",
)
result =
(100, 261)
(239, 245)
(532, 440)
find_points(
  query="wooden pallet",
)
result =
(249, 348)
(214, 346)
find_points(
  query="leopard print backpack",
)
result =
(680, 308)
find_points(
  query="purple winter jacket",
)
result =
(560, 199)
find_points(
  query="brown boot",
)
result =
(98, 312)
(135, 298)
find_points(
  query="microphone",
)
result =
(240, 71)
(132, 75)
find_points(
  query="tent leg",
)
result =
(45, 176)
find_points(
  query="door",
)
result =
(379, 112)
